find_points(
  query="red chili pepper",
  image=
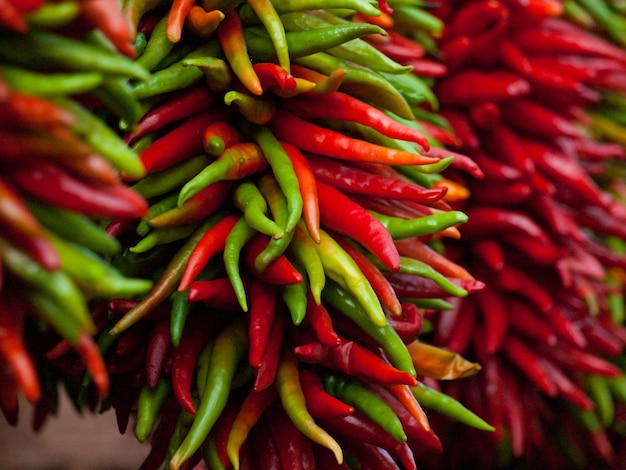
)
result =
(493, 309)
(470, 87)
(399, 47)
(197, 208)
(308, 189)
(410, 325)
(108, 17)
(460, 161)
(371, 457)
(28, 111)
(475, 17)
(318, 319)
(286, 437)
(274, 76)
(12, 18)
(280, 271)
(158, 348)
(176, 18)
(416, 249)
(50, 184)
(263, 299)
(342, 215)
(265, 373)
(523, 318)
(344, 107)
(461, 331)
(529, 363)
(181, 105)
(354, 180)
(219, 136)
(566, 386)
(537, 119)
(377, 280)
(184, 141)
(318, 402)
(263, 447)
(184, 359)
(16, 357)
(417, 287)
(211, 243)
(312, 138)
(216, 293)
(90, 355)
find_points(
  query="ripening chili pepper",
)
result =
(251, 202)
(384, 336)
(107, 16)
(340, 214)
(181, 105)
(203, 23)
(318, 82)
(312, 138)
(263, 298)
(219, 136)
(274, 76)
(251, 410)
(235, 162)
(350, 391)
(211, 243)
(265, 374)
(217, 293)
(354, 180)
(283, 171)
(16, 357)
(302, 247)
(150, 401)
(294, 403)
(318, 401)
(230, 345)
(435, 362)
(183, 142)
(176, 19)
(240, 233)
(255, 109)
(233, 43)
(64, 190)
(168, 281)
(195, 209)
(416, 249)
(384, 291)
(163, 236)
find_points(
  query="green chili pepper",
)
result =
(164, 181)
(235, 241)
(178, 75)
(415, 89)
(53, 15)
(158, 46)
(42, 49)
(161, 236)
(613, 22)
(601, 394)
(295, 297)
(385, 336)
(104, 140)
(182, 427)
(54, 284)
(431, 304)
(149, 404)
(50, 84)
(438, 401)
(75, 227)
(618, 387)
(249, 200)
(416, 18)
(279, 206)
(303, 249)
(429, 224)
(54, 313)
(228, 349)
(159, 207)
(283, 171)
(219, 75)
(353, 393)
(268, 15)
(362, 6)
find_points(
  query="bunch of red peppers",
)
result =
(319, 234)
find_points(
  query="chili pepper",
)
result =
(340, 267)
(157, 47)
(158, 348)
(385, 336)
(318, 401)
(211, 243)
(161, 236)
(176, 19)
(240, 233)
(286, 437)
(339, 213)
(419, 268)
(16, 357)
(149, 404)
(255, 109)
(295, 297)
(219, 136)
(318, 140)
(566, 387)
(231, 38)
(265, 374)
(249, 199)
(438, 363)
(495, 86)
(523, 319)
(57, 84)
(217, 293)
(27, 111)
(236, 162)
(283, 170)
(273, 23)
(263, 298)
(529, 363)
(195, 209)
(493, 219)
(203, 23)
(366, 402)
(182, 142)
(294, 403)
(229, 346)
(273, 76)
(195, 336)
(176, 76)
(400, 228)
(166, 285)
(249, 413)
(318, 83)
(181, 308)
(377, 280)
(353, 180)
(416, 249)
(303, 249)
(164, 204)
(106, 15)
